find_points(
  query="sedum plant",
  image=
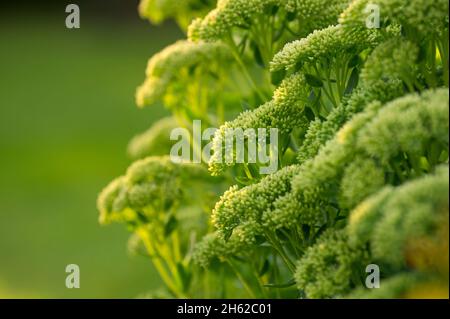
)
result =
(182, 11)
(359, 122)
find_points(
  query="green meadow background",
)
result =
(67, 113)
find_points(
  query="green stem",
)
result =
(326, 89)
(247, 171)
(241, 278)
(261, 287)
(241, 64)
(281, 252)
(176, 246)
(167, 254)
(442, 45)
(292, 243)
(143, 234)
(276, 275)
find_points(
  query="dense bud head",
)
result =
(248, 204)
(174, 65)
(214, 246)
(328, 43)
(154, 141)
(135, 246)
(158, 10)
(334, 155)
(393, 59)
(183, 11)
(210, 247)
(319, 132)
(230, 14)
(407, 124)
(414, 210)
(392, 288)
(381, 132)
(390, 218)
(364, 216)
(327, 267)
(285, 213)
(151, 186)
(319, 14)
(370, 184)
(283, 112)
(361, 178)
(423, 16)
(111, 202)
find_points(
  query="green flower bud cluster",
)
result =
(319, 14)
(361, 178)
(407, 125)
(344, 172)
(327, 268)
(237, 206)
(393, 59)
(425, 17)
(284, 112)
(393, 216)
(151, 186)
(230, 14)
(392, 288)
(174, 67)
(328, 44)
(214, 246)
(183, 11)
(404, 126)
(360, 113)
(321, 131)
(154, 141)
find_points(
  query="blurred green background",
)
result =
(66, 115)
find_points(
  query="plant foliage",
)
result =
(363, 121)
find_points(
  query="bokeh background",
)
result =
(67, 113)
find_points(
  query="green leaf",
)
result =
(259, 240)
(275, 10)
(321, 230)
(290, 283)
(214, 75)
(277, 76)
(265, 268)
(238, 258)
(243, 180)
(306, 230)
(192, 68)
(185, 276)
(141, 217)
(278, 34)
(298, 66)
(352, 81)
(271, 10)
(243, 44)
(290, 16)
(356, 60)
(314, 103)
(309, 114)
(313, 80)
(168, 203)
(227, 234)
(257, 55)
(422, 54)
(170, 226)
(313, 98)
(245, 105)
